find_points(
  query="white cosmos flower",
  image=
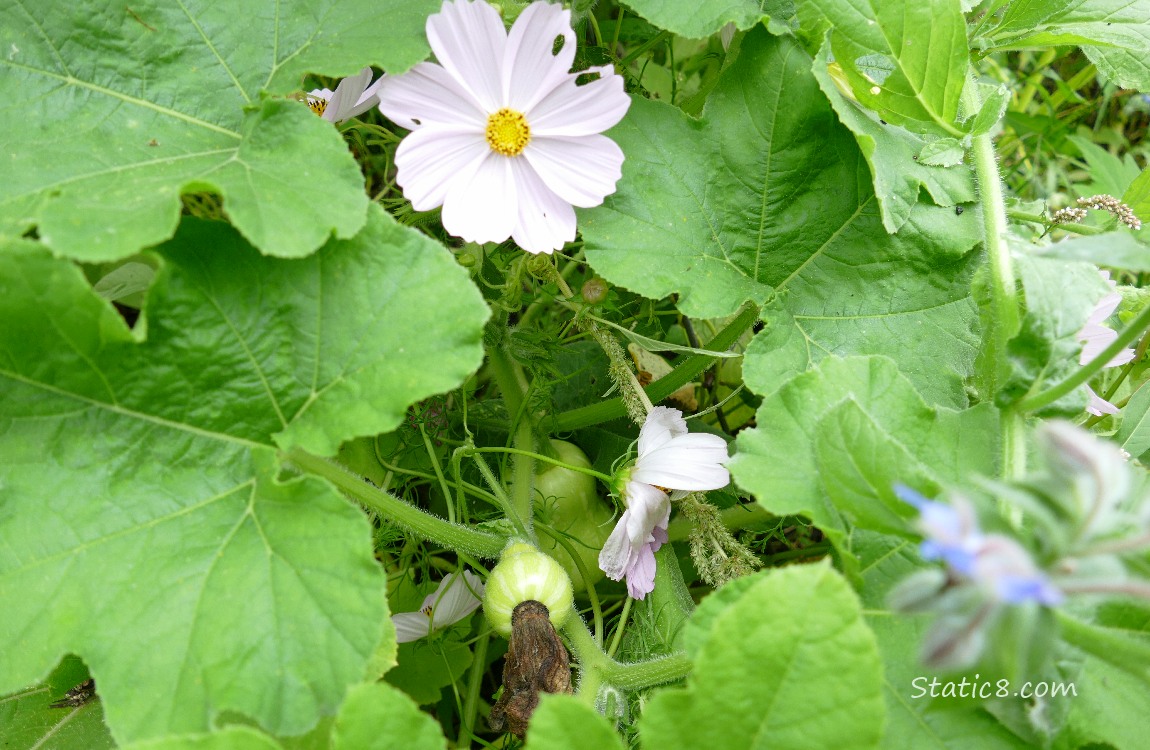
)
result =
(1095, 337)
(456, 597)
(502, 137)
(670, 458)
(353, 96)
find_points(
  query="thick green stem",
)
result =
(509, 509)
(1003, 319)
(474, 687)
(688, 370)
(598, 668)
(434, 456)
(513, 387)
(1004, 296)
(1087, 371)
(418, 522)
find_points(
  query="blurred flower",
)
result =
(996, 563)
(456, 597)
(353, 96)
(1095, 337)
(670, 458)
(502, 137)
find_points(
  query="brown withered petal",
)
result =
(537, 661)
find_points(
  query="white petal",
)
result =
(428, 94)
(647, 507)
(616, 553)
(368, 99)
(1104, 309)
(345, 96)
(468, 40)
(545, 221)
(410, 626)
(455, 598)
(687, 462)
(572, 110)
(530, 70)
(432, 159)
(483, 206)
(1095, 339)
(1098, 405)
(662, 424)
(641, 573)
(581, 171)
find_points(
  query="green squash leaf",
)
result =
(123, 108)
(155, 535)
(724, 209)
(1114, 34)
(231, 738)
(807, 674)
(564, 722)
(377, 716)
(825, 440)
(905, 59)
(894, 155)
(696, 20)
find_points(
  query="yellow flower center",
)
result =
(508, 132)
(317, 105)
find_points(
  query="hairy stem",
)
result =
(689, 369)
(418, 522)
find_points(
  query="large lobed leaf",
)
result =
(769, 193)
(121, 108)
(905, 59)
(375, 716)
(804, 675)
(148, 526)
(695, 20)
(894, 155)
(1114, 34)
(832, 443)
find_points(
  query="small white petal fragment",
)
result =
(1095, 337)
(353, 96)
(537, 145)
(456, 597)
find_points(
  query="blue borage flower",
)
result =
(996, 563)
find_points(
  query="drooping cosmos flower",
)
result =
(456, 597)
(670, 458)
(502, 137)
(1096, 336)
(353, 96)
(996, 563)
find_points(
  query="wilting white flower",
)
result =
(456, 597)
(502, 137)
(353, 96)
(670, 458)
(1096, 336)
